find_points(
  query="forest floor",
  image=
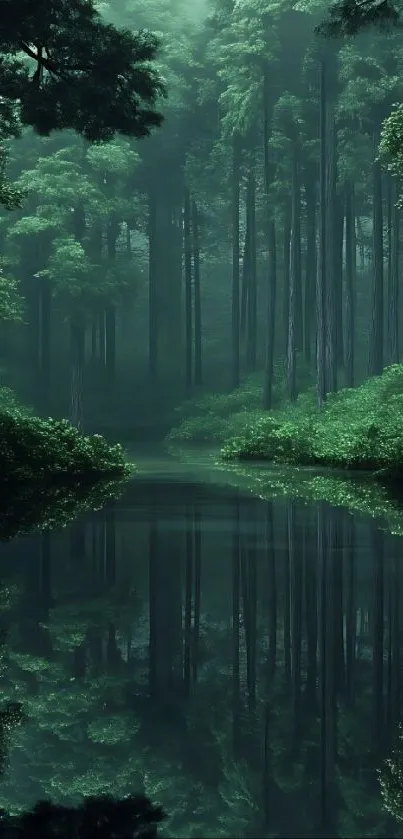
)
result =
(357, 429)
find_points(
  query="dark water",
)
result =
(239, 661)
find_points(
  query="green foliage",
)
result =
(11, 304)
(67, 68)
(214, 417)
(391, 145)
(391, 781)
(37, 449)
(359, 428)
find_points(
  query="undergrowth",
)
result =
(358, 428)
(36, 449)
(214, 417)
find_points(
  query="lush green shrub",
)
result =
(38, 449)
(214, 417)
(357, 428)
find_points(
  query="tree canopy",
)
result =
(67, 68)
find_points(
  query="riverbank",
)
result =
(35, 450)
(357, 429)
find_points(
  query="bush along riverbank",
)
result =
(358, 428)
(214, 417)
(42, 450)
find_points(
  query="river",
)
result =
(237, 659)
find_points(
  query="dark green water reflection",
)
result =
(237, 660)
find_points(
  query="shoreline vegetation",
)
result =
(357, 429)
(51, 472)
(42, 451)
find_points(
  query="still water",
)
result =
(237, 660)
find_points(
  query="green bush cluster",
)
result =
(38, 449)
(358, 428)
(214, 417)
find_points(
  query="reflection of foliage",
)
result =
(112, 729)
(99, 816)
(238, 793)
(391, 780)
(24, 509)
(356, 493)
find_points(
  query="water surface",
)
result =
(236, 659)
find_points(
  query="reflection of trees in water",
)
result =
(99, 817)
(269, 723)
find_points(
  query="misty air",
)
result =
(201, 419)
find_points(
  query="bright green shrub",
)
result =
(32, 448)
(358, 428)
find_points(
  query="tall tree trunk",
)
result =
(152, 285)
(393, 284)
(236, 162)
(112, 235)
(188, 296)
(286, 272)
(310, 265)
(44, 344)
(271, 318)
(294, 279)
(252, 288)
(321, 272)
(198, 314)
(245, 277)
(77, 337)
(376, 330)
(331, 211)
(338, 276)
(350, 282)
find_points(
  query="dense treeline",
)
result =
(256, 226)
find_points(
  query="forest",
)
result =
(242, 258)
(201, 255)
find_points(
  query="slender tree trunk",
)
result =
(310, 267)
(294, 280)
(331, 330)
(245, 276)
(376, 330)
(271, 318)
(236, 162)
(252, 287)
(321, 273)
(77, 333)
(198, 314)
(188, 296)
(350, 282)
(286, 272)
(393, 284)
(338, 276)
(44, 344)
(152, 285)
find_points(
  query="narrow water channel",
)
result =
(238, 660)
